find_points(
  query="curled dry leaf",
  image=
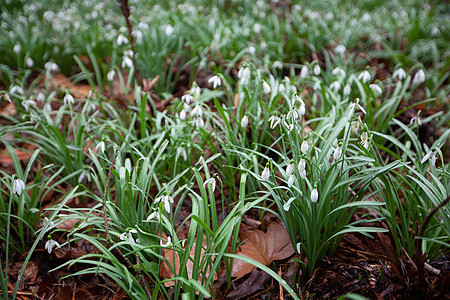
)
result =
(262, 247)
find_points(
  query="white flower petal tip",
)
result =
(167, 244)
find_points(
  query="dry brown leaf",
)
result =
(262, 247)
(6, 160)
(77, 90)
(166, 270)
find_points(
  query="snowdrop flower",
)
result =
(291, 180)
(266, 87)
(153, 215)
(166, 200)
(375, 88)
(314, 194)
(281, 88)
(364, 76)
(265, 173)
(110, 75)
(244, 75)
(335, 86)
(289, 169)
(197, 111)
(274, 121)
(366, 18)
(356, 104)
(305, 146)
(215, 81)
(84, 174)
(50, 243)
(169, 30)
(338, 72)
(127, 62)
(29, 61)
(26, 103)
(277, 65)
(17, 48)
(316, 70)
(365, 140)
(50, 223)
(187, 98)
(303, 174)
(431, 154)
(129, 236)
(347, 90)
(40, 97)
(211, 182)
(16, 90)
(68, 98)
(337, 152)
(167, 244)
(196, 90)
(304, 72)
(181, 151)
(122, 173)
(122, 40)
(399, 74)
(257, 28)
(416, 119)
(244, 122)
(51, 67)
(435, 31)
(18, 186)
(251, 50)
(183, 114)
(419, 77)
(302, 165)
(340, 49)
(199, 123)
(101, 146)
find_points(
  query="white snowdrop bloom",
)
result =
(244, 122)
(169, 30)
(416, 119)
(68, 98)
(47, 107)
(266, 87)
(196, 90)
(340, 49)
(274, 121)
(277, 65)
(26, 103)
(30, 62)
(167, 244)
(365, 140)
(181, 151)
(110, 75)
(127, 62)
(166, 200)
(291, 180)
(435, 31)
(430, 155)
(50, 244)
(281, 88)
(263, 45)
(101, 146)
(356, 104)
(17, 90)
(40, 97)
(17, 48)
(304, 147)
(251, 50)
(153, 215)
(211, 182)
(329, 16)
(51, 67)
(122, 173)
(399, 74)
(84, 174)
(338, 72)
(257, 28)
(18, 186)
(337, 153)
(129, 236)
(188, 98)
(303, 174)
(289, 169)
(244, 75)
(304, 71)
(366, 18)
(122, 40)
(364, 76)
(265, 174)
(419, 77)
(314, 195)
(347, 90)
(317, 70)
(183, 114)
(375, 88)
(50, 223)
(335, 86)
(302, 165)
(215, 80)
(197, 111)
(199, 123)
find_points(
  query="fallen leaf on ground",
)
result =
(262, 247)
